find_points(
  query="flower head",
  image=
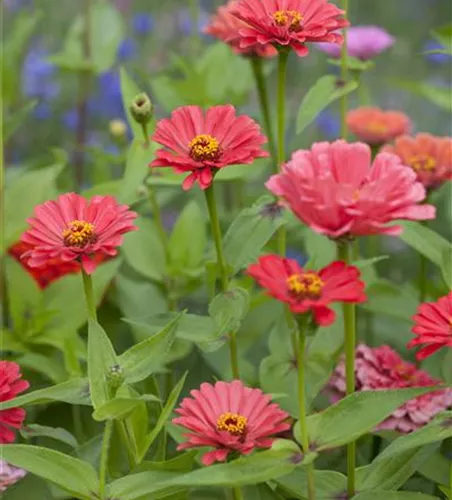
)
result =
(142, 23)
(11, 384)
(430, 157)
(225, 26)
(9, 475)
(363, 42)
(202, 143)
(289, 23)
(436, 57)
(306, 290)
(334, 189)
(127, 49)
(38, 76)
(379, 368)
(433, 327)
(230, 418)
(73, 229)
(375, 126)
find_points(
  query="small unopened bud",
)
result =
(115, 377)
(141, 108)
(118, 128)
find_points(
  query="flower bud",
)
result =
(115, 377)
(118, 128)
(141, 108)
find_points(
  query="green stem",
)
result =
(103, 465)
(256, 64)
(125, 438)
(301, 370)
(89, 295)
(344, 76)
(157, 215)
(450, 472)
(222, 268)
(237, 494)
(344, 250)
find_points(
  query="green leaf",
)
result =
(250, 231)
(392, 495)
(101, 357)
(129, 89)
(439, 96)
(73, 475)
(52, 369)
(444, 36)
(58, 433)
(12, 123)
(446, 266)
(436, 468)
(143, 484)
(321, 250)
(447, 367)
(328, 484)
(120, 407)
(353, 63)
(319, 96)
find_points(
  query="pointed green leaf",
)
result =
(58, 433)
(119, 408)
(393, 495)
(446, 266)
(328, 484)
(12, 123)
(129, 89)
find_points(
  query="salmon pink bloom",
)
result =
(380, 368)
(73, 229)
(375, 126)
(225, 26)
(9, 475)
(289, 23)
(230, 418)
(11, 384)
(306, 290)
(430, 157)
(433, 328)
(335, 190)
(202, 143)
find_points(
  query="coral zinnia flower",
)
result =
(382, 368)
(230, 418)
(225, 26)
(306, 290)
(289, 23)
(203, 143)
(430, 157)
(9, 475)
(71, 228)
(11, 384)
(333, 189)
(375, 126)
(433, 326)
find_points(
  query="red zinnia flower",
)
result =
(11, 384)
(306, 290)
(334, 189)
(225, 26)
(379, 368)
(71, 228)
(375, 126)
(203, 143)
(433, 326)
(430, 157)
(230, 418)
(289, 23)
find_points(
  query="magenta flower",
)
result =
(9, 475)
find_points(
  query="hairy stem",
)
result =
(344, 76)
(89, 294)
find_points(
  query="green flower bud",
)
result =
(141, 108)
(115, 377)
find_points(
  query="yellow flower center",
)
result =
(233, 423)
(290, 18)
(79, 233)
(377, 127)
(305, 286)
(422, 163)
(204, 147)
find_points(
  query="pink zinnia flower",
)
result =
(375, 126)
(379, 368)
(363, 42)
(334, 189)
(9, 475)
(71, 228)
(203, 143)
(429, 156)
(225, 26)
(289, 23)
(230, 418)
(306, 290)
(433, 328)
(11, 384)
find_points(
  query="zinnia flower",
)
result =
(11, 384)
(9, 475)
(379, 368)
(334, 189)
(433, 328)
(230, 418)
(203, 143)
(363, 42)
(430, 157)
(73, 229)
(306, 290)
(375, 126)
(289, 23)
(225, 26)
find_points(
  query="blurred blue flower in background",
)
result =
(185, 22)
(15, 5)
(109, 99)
(42, 111)
(329, 124)
(127, 49)
(436, 58)
(300, 257)
(142, 23)
(38, 76)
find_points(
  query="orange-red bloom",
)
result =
(375, 126)
(306, 290)
(433, 328)
(430, 157)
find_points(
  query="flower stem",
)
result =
(344, 75)
(103, 465)
(450, 473)
(344, 251)
(89, 295)
(256, 65)
(237, 494)
(222, 268)
(301, 371)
